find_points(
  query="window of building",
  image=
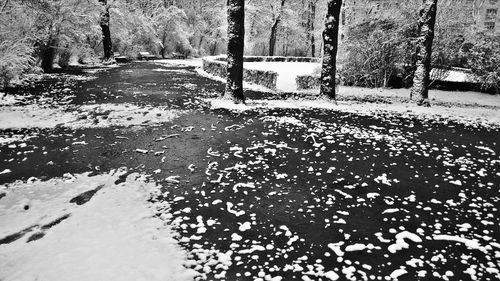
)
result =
(491, 13)
(489, 25)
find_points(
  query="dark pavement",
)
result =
(327, 177)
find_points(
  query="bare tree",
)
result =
(311, 18)
(274, 28)
(427, 21)
(235, 48)
(330, 47)
(106, 33)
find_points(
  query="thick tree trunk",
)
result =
(274, 29)
(330, 47)
(235, 48)
(420, 90)
(106, 33)
(48, 55)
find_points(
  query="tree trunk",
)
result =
(330, 47)
(48, 55)
(310, 26)
(235, 48)
(272, 38)
(420, 90)
(274, 29)
(106, 33)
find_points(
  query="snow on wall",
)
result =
(259, 77)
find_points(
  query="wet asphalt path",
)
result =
(307, 181)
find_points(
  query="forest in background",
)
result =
(377, 47)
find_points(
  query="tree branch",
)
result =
(4, 6)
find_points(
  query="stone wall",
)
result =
(306, 82)
(217, 66)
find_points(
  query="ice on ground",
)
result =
(85, 116)
(97, 238)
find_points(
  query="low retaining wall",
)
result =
(307, 82)
(217, 66)
(281, 59)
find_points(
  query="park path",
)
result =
(291, 193)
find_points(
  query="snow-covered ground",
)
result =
(196, 62)
(85, 116)
(85, 227)
(76, 117)
(475, 116)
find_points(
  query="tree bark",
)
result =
(106, 33)
(330, 47)
(274, 29)
(420, 90)
(310, 26)
(235, 48)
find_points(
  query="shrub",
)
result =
(15, 59)
(374, 53)
(483, 58)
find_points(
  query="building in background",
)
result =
(355, 11)
(489, 17)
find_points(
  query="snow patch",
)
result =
(101, 239)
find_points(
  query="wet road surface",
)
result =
(290, 192)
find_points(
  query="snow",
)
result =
(469, 243)
(236, 237)
(6, 171)
(398, 273)
(245, 226)
(196, 62)
(355, 247)
(475, 116)
(8, 99)
(100, 240)
(335, 247)
(401, 243)
(246, 85)
(85, 116)
(331, 275)
(486, 149)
